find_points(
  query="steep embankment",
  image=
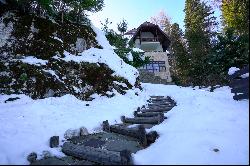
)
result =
(43, 58)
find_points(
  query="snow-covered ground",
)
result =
(201, 122)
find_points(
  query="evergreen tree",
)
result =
(70, 10)
(122, 48)
(180, 54)
(235, 14)
(232, 47)
(199, 30)
(122, 27)
(38, 7)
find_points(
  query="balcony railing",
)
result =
(149, 39)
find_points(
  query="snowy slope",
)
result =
(26, 125)
(201, 122)
(106, 56)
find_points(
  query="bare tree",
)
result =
(163, 20)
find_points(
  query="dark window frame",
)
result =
(155, 66)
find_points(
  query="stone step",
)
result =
(109, 141)
(160, 105)
(100, 156)
(144, 120)
(139, 133)
(68, 160)
(159, 100)
(147, 114)
(155, 110)
(157, 97)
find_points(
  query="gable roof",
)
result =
(131, 32)
(147, 26)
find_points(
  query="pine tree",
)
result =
(122, 27)
(232, 47)
(235, 14)
(70, 10)
(122, 48)
(180, 54)
(199, 30)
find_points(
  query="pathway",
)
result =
(115, 144)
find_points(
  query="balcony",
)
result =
(150, 44)
(149, 39)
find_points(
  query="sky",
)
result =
(136, 12)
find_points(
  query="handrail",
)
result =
(149, 39)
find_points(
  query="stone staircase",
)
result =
(149, 77)
(115, 144)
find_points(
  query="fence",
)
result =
(239, 84)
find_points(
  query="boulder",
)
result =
(32, 157)
(83, 131)
(54, 141)
(71, 133)
(46, 154)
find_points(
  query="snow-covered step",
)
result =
(160, 105)
(100, 156)
(155, 110)
(147, 114)
(157, 97)
(160, 102)
(139, 133)
(144, 120)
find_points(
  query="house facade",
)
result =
(155, 43)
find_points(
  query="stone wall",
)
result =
(161, 56)
(148, 77)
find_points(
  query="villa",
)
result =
(155, 43)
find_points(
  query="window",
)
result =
(155, 66)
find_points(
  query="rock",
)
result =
(216, 150)
(83, 131)
(71, 133)
(105, 126)
(11, 99)
(87, 104)
(54, 141)
(46, 154)
(49, 93)
(80, 44)
(55, 161)
(32, 157)
(151, 137)
(90, 99)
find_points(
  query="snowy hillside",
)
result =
(204, 128)
(43, 58)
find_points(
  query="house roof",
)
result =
(131, 32)
(147, 26)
